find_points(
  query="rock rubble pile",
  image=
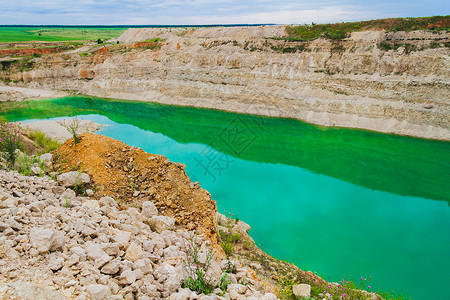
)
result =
(55, 244)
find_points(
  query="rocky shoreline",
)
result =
(62, 236)
(57, 245)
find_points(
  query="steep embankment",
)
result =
(395, 82)
(132, 176)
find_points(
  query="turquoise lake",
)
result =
(343, 203)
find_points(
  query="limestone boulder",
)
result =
(301, 290)
(161, 223)
(73, 178)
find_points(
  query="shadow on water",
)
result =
(396, 164)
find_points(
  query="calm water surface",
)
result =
(343, 203)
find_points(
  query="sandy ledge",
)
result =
(15, 93)
(389, 126)
(55, 130)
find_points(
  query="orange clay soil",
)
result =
(132, 176)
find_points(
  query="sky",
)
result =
(201, 12)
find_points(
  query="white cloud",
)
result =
(322, 15)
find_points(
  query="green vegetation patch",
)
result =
(342, 30)
(47, 144)
(153, 40)
(21, 34)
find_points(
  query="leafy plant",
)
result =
(9, 141)
(247, 243)
(224, 282)
(79, 187)
(230, 267)
(393, 296)
(227, 248)
(228, 238)
(24, 163)
(67, 204)
(48, 144)
(72, 127)
(198, 279)
(154, 40)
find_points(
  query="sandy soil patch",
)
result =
(14, 93)
(55, 130)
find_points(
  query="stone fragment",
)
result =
(122, 237)
(144, 265)
(56, 263)
(36, 171)
(161, 223)
(73, 260)
(94, 252)
(58, 241)
(79, 251)
(111, 268)
(134, 252)
(107, 201)
(127, 277)
(172, 276)
(67, 194)
(26, 290)
(149, 210)
(104, 259)
(148, 246)
(41, 239)
(46, 157)
(17, 194)
(70, 283)
(92, 204)
(98, 291)
(70, 179)
(242, 227)
(13, 224)
(88, 231)
(238, 288)
(111, 248)
(269, 296)
(8, 202)
(183, 294)
(301, 290)
(3, 226)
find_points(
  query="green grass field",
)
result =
(341, 30)
(19, 34)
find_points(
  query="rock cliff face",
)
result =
(362, 81)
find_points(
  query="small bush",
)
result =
(24, 162)
(153, 40)
(224, 282)
(228, 238)
(198, 279)
(227, 248)
(9, 141)
(48, 144)
(72, 127)
(435, 45)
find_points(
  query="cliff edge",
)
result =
(393, 82)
